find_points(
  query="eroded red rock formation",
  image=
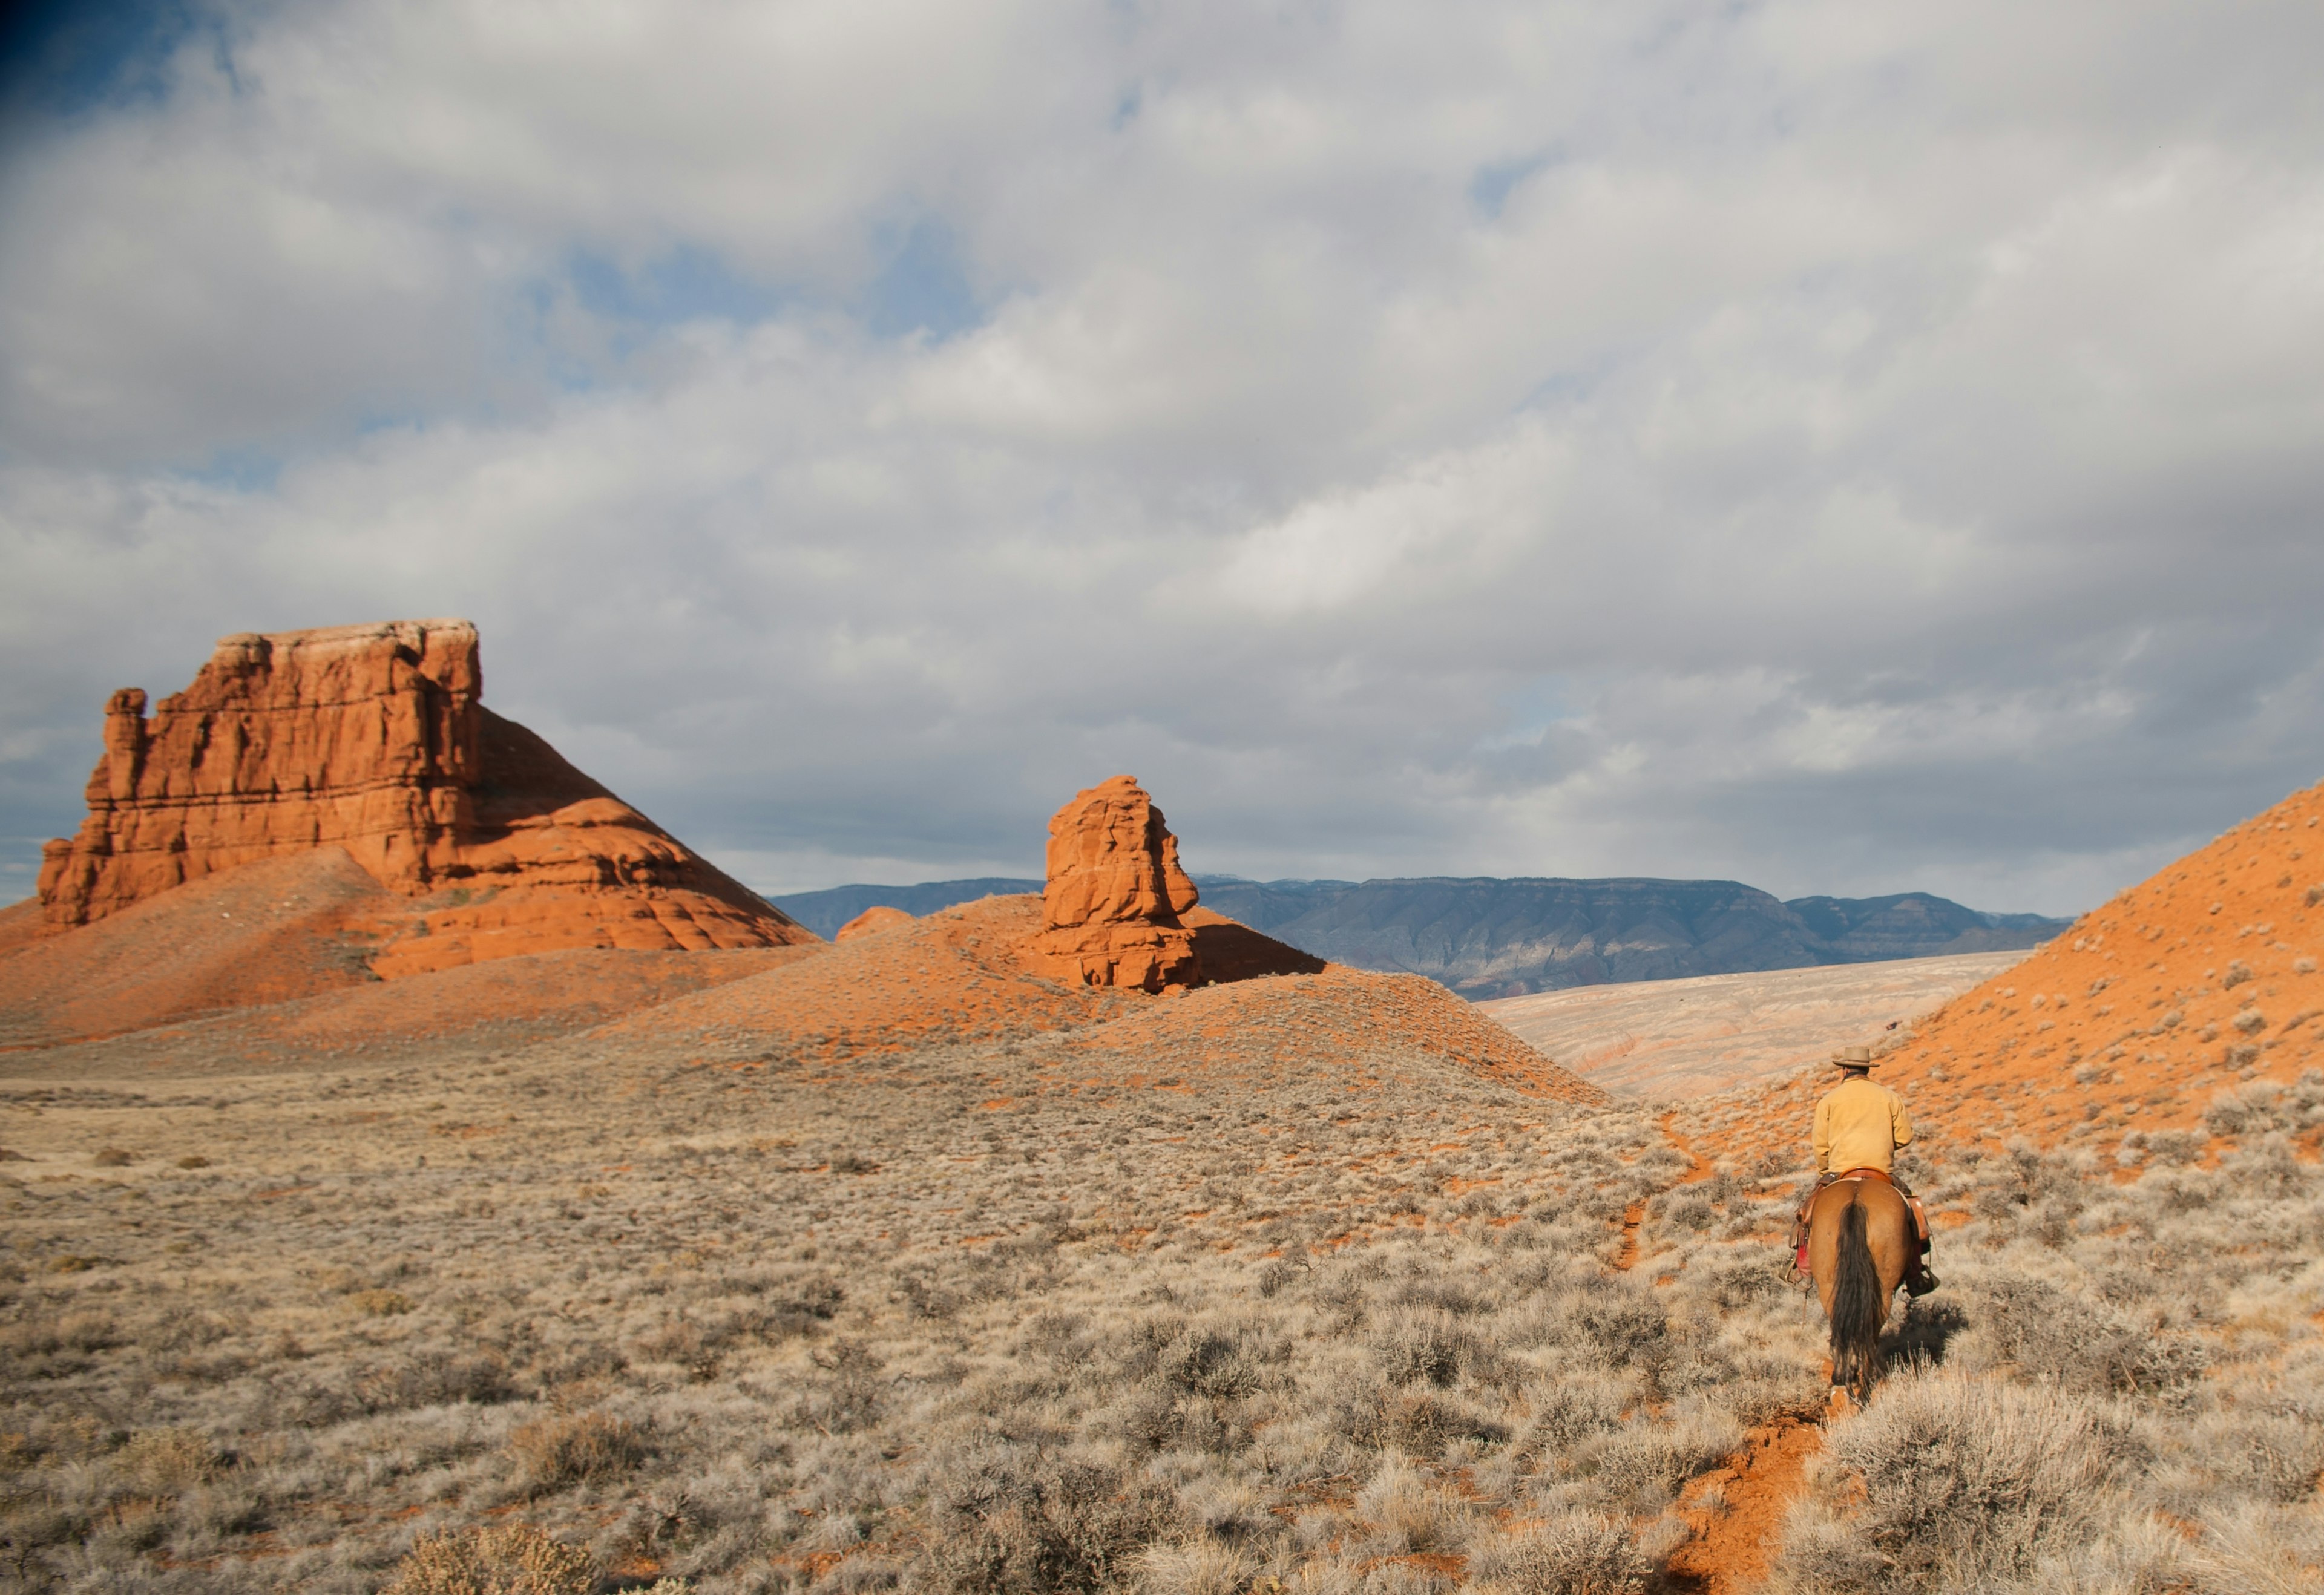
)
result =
(1111, 909)
(374, 739)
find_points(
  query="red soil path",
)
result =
(1698, 1168)
(1733, 1514)
(1736, 1513)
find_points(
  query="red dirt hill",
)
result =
(274, 931)
(2198, 979)
(872, 922)
(967, 974)
(285, 944)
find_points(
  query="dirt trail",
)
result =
(1699, 1169)
(1735, 1513)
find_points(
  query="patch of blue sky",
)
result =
(630, 304)
(238, 470)
(536, 304)
(687, 284)
(61, 58)
(1575, 384)
(1490, 185)
(923, 288)
(1532, 712)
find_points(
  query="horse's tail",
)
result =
(1858, 1302)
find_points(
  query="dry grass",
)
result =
(563, 1449)
(516, 1560)
(1034, 1315)
(511, 1560)
(1229, 1314)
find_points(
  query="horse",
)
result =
(1861, 1242)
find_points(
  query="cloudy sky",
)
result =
(1841, 445)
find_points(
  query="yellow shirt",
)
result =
(1859, 1125)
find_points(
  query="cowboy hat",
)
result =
(1853, 1057)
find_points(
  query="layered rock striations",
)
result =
(365, 736)
(374, 739)
(1114, 893)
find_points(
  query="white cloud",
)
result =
(1435, 527)
(1884, 437)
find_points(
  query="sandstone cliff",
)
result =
(373, 739)
(366, 736)
(1111, 909)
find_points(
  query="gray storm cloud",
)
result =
(1850, 449)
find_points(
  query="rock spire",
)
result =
(1115, 891)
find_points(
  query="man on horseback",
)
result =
(1860, 1128)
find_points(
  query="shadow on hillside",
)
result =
(1229, 950)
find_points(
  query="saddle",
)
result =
(1800, 1225)
(1920, 1218)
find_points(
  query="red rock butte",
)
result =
(374, 739)
(1113, 906)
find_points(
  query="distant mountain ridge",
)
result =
(1492, 937)
(1506, 937)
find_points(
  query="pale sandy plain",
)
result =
(1682, 1039)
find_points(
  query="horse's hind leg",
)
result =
(1846, 1387)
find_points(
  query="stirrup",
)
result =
(1920, 1284)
